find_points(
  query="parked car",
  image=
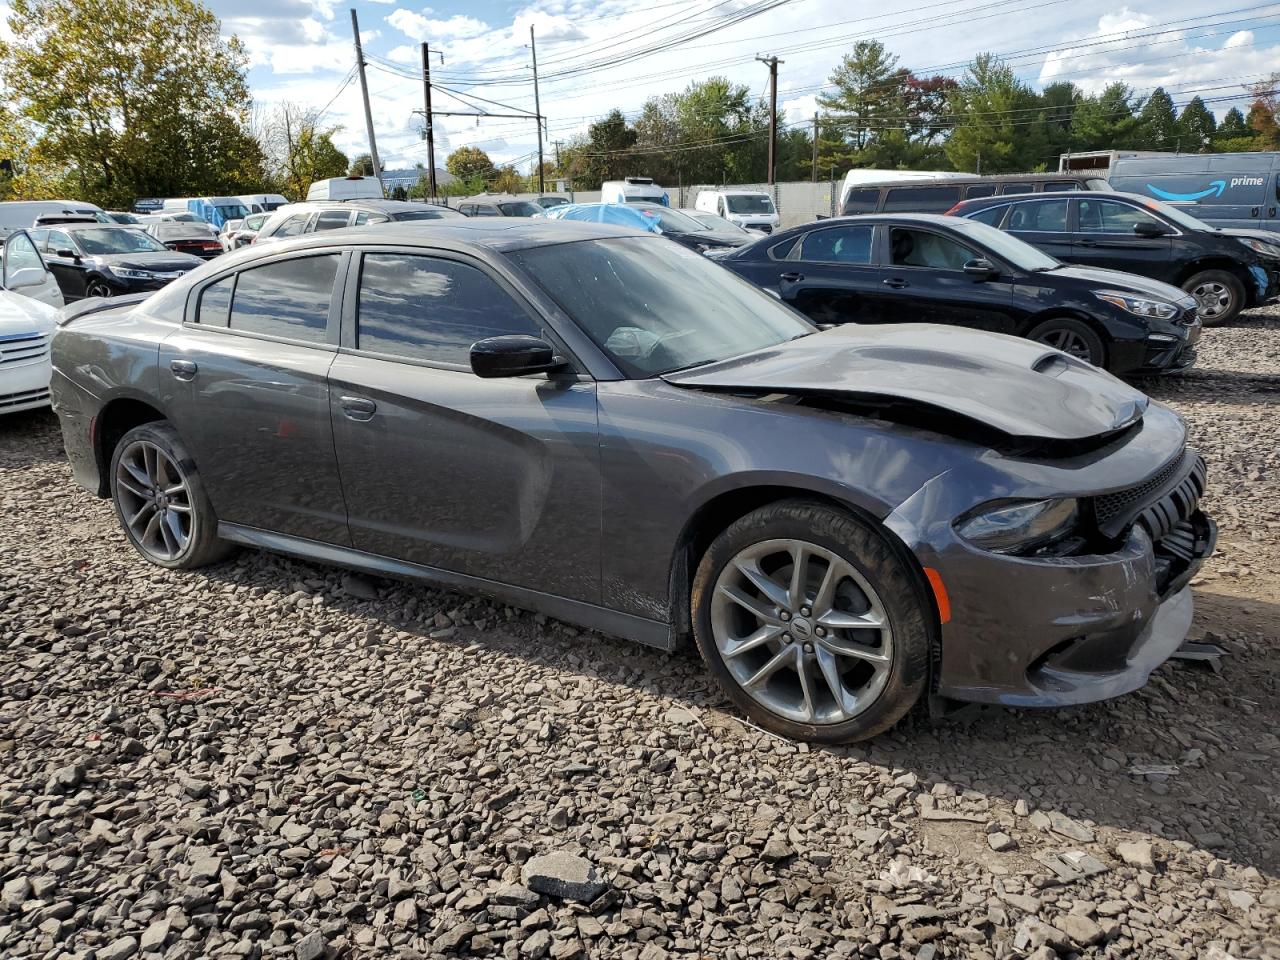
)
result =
(122, 216)
(26, 327)
(654, 218)
(197, 239)
(20, 214)
(1230, 190)
(240, 233)
(497, 205)
(296, 219)
(633, 190)
(262, 202)
(180, 216)
(1225, 270)
(713, 221)
(611, 429)
(939, 195)
(751, 209)
(92, 260)
(555, 200)
(23, 271)
(928, 268)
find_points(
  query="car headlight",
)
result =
(128, 273)
(1019, 527)
(1139, 306)
(1261, 246)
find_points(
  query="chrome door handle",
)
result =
(358, 408)
(792, 277)
(184, 370)
(896, 282)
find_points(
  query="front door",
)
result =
(23, 271)
(245, 383)
(497, 479)
(829, 275)
(63, 259)
(1105, 238)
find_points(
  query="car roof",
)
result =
(493, 198)
(372, 203)
(975, 202)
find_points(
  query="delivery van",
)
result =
(1236, 190)
(261, 202)
(633, 190)
(346, 188)
(18, 214)
(750, 209)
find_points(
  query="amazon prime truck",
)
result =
(1223, 189)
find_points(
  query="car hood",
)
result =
(1124, 282)
(165, 262)
(19, 314)
(1266, 236)
(1021, 389)
(722, 238)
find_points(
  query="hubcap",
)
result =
(1213, 299)
(1068, 341)
(155, 500)
(801, 631)
(98, 289)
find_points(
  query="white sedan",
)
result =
(29, 299)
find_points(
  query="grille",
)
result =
(1158, 503)
(26, 396)
(1162, 517)
(17, 348)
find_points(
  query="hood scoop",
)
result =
(1019, 389)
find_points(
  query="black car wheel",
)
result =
(1074, 337)
(1219, 296)
(811, 623)
(98, 288)
(160, 501)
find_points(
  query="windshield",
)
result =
(552, 201)
(1009, 249)
(173, 230)
(713, 222)
(118, 240)
(671, 221)
(1181, 218)
(123, 217)
(437, 213)
(655, 306)
(232, 211)
(519, 208)
(749, 203)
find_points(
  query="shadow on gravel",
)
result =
(1213, 733)
(30, 437)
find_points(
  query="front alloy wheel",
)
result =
(98, 288)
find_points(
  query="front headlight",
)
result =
(1139, 306)
(1019, 527)
(1261, 246)
(128, 273)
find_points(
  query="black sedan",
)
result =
(933, 269)
(92, 260)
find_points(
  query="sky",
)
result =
(301, 51)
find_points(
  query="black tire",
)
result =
(907, 608)
(98, 288)
(1082, 340)
(202, 546)
(1224, 288)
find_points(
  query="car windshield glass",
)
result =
(671, 221)
(232, 211)
(1009, 249)
(749, 203)
(1183, 219)
(655, 306)
(118, 240)
(713, 222)
(520, 208)
(171, 231)
(437, 213)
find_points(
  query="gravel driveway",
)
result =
(273, 759)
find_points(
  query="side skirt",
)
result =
(589, 615)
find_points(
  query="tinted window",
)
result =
(1054, 186)
(980, 190)
(1018, 188)
(483, 210)
(837, 245)
(289, 298)
(292, 226)
(467, 209)
(20, 254)
(991, 216)
(1045, 215)
(922, 199)
(215, 303)
(59, 241)
(332, 219)
(779, 251)
(362, 218)
(1108, 216)
(424, 308)
(434, 213)
(520, 208)
(918, 248)
(862, 201)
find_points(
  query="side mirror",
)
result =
(981, 268)
(65, 252)
(513, 356)
(1150, 231)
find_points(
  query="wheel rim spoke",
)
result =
(764, 583)
(775, 664)
(850, 648)
(759, 608)
(762, 637)
(839, 620)
(799, 576)
(829, 665)
(154, 500)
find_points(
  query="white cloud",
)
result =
(418, 27)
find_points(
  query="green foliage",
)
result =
(468, 162)
(1157, 123)
(361, 166)
(1232, 128)
(992, 107)
(299, 150)
(128, 98)
(1196, 127)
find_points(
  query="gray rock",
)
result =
(65, 779)
(1060, 823)
(536, 945)
(253, 920)
(563, 875)
(1000, 842)
(15, 893)
(1080, 929)
(406, 914)
(154, 937)
(449, 941)
(119, 949)
(776, 849)
(310, 947)
(1140, 855)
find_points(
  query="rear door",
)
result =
(829, 274)
(1104, 237)
(1043, 224)
(244, 380)
(491, 478)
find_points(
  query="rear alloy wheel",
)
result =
(1219, 296)
(811, 623)
(160, 502)
(1073, 337)
(98, 288)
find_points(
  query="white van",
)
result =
(633, 190)
(17, 214)
(346, 188)
(856, 178)
(261, 202)
(750, 209)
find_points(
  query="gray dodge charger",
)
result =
(614, 430)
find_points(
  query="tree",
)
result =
(864, 81)
(132, 98)
(1262, 112)
(468, 162)
(1196, 126)
(1105, 122)
(1234, 134)
(1157, 124)
(604, 154)
(361, 166)
(990, 106)
(507, 179)
(299, 151)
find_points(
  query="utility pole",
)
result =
(537, 108)
(557, 157)
(773, 111)
(814, 176)
(431, 137)
(364, 92)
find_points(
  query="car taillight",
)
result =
(953, 210)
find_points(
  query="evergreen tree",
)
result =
(1157, 123)
(1196, 127)
(992, 107)
(1234, 135)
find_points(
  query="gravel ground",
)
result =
(270, 758)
